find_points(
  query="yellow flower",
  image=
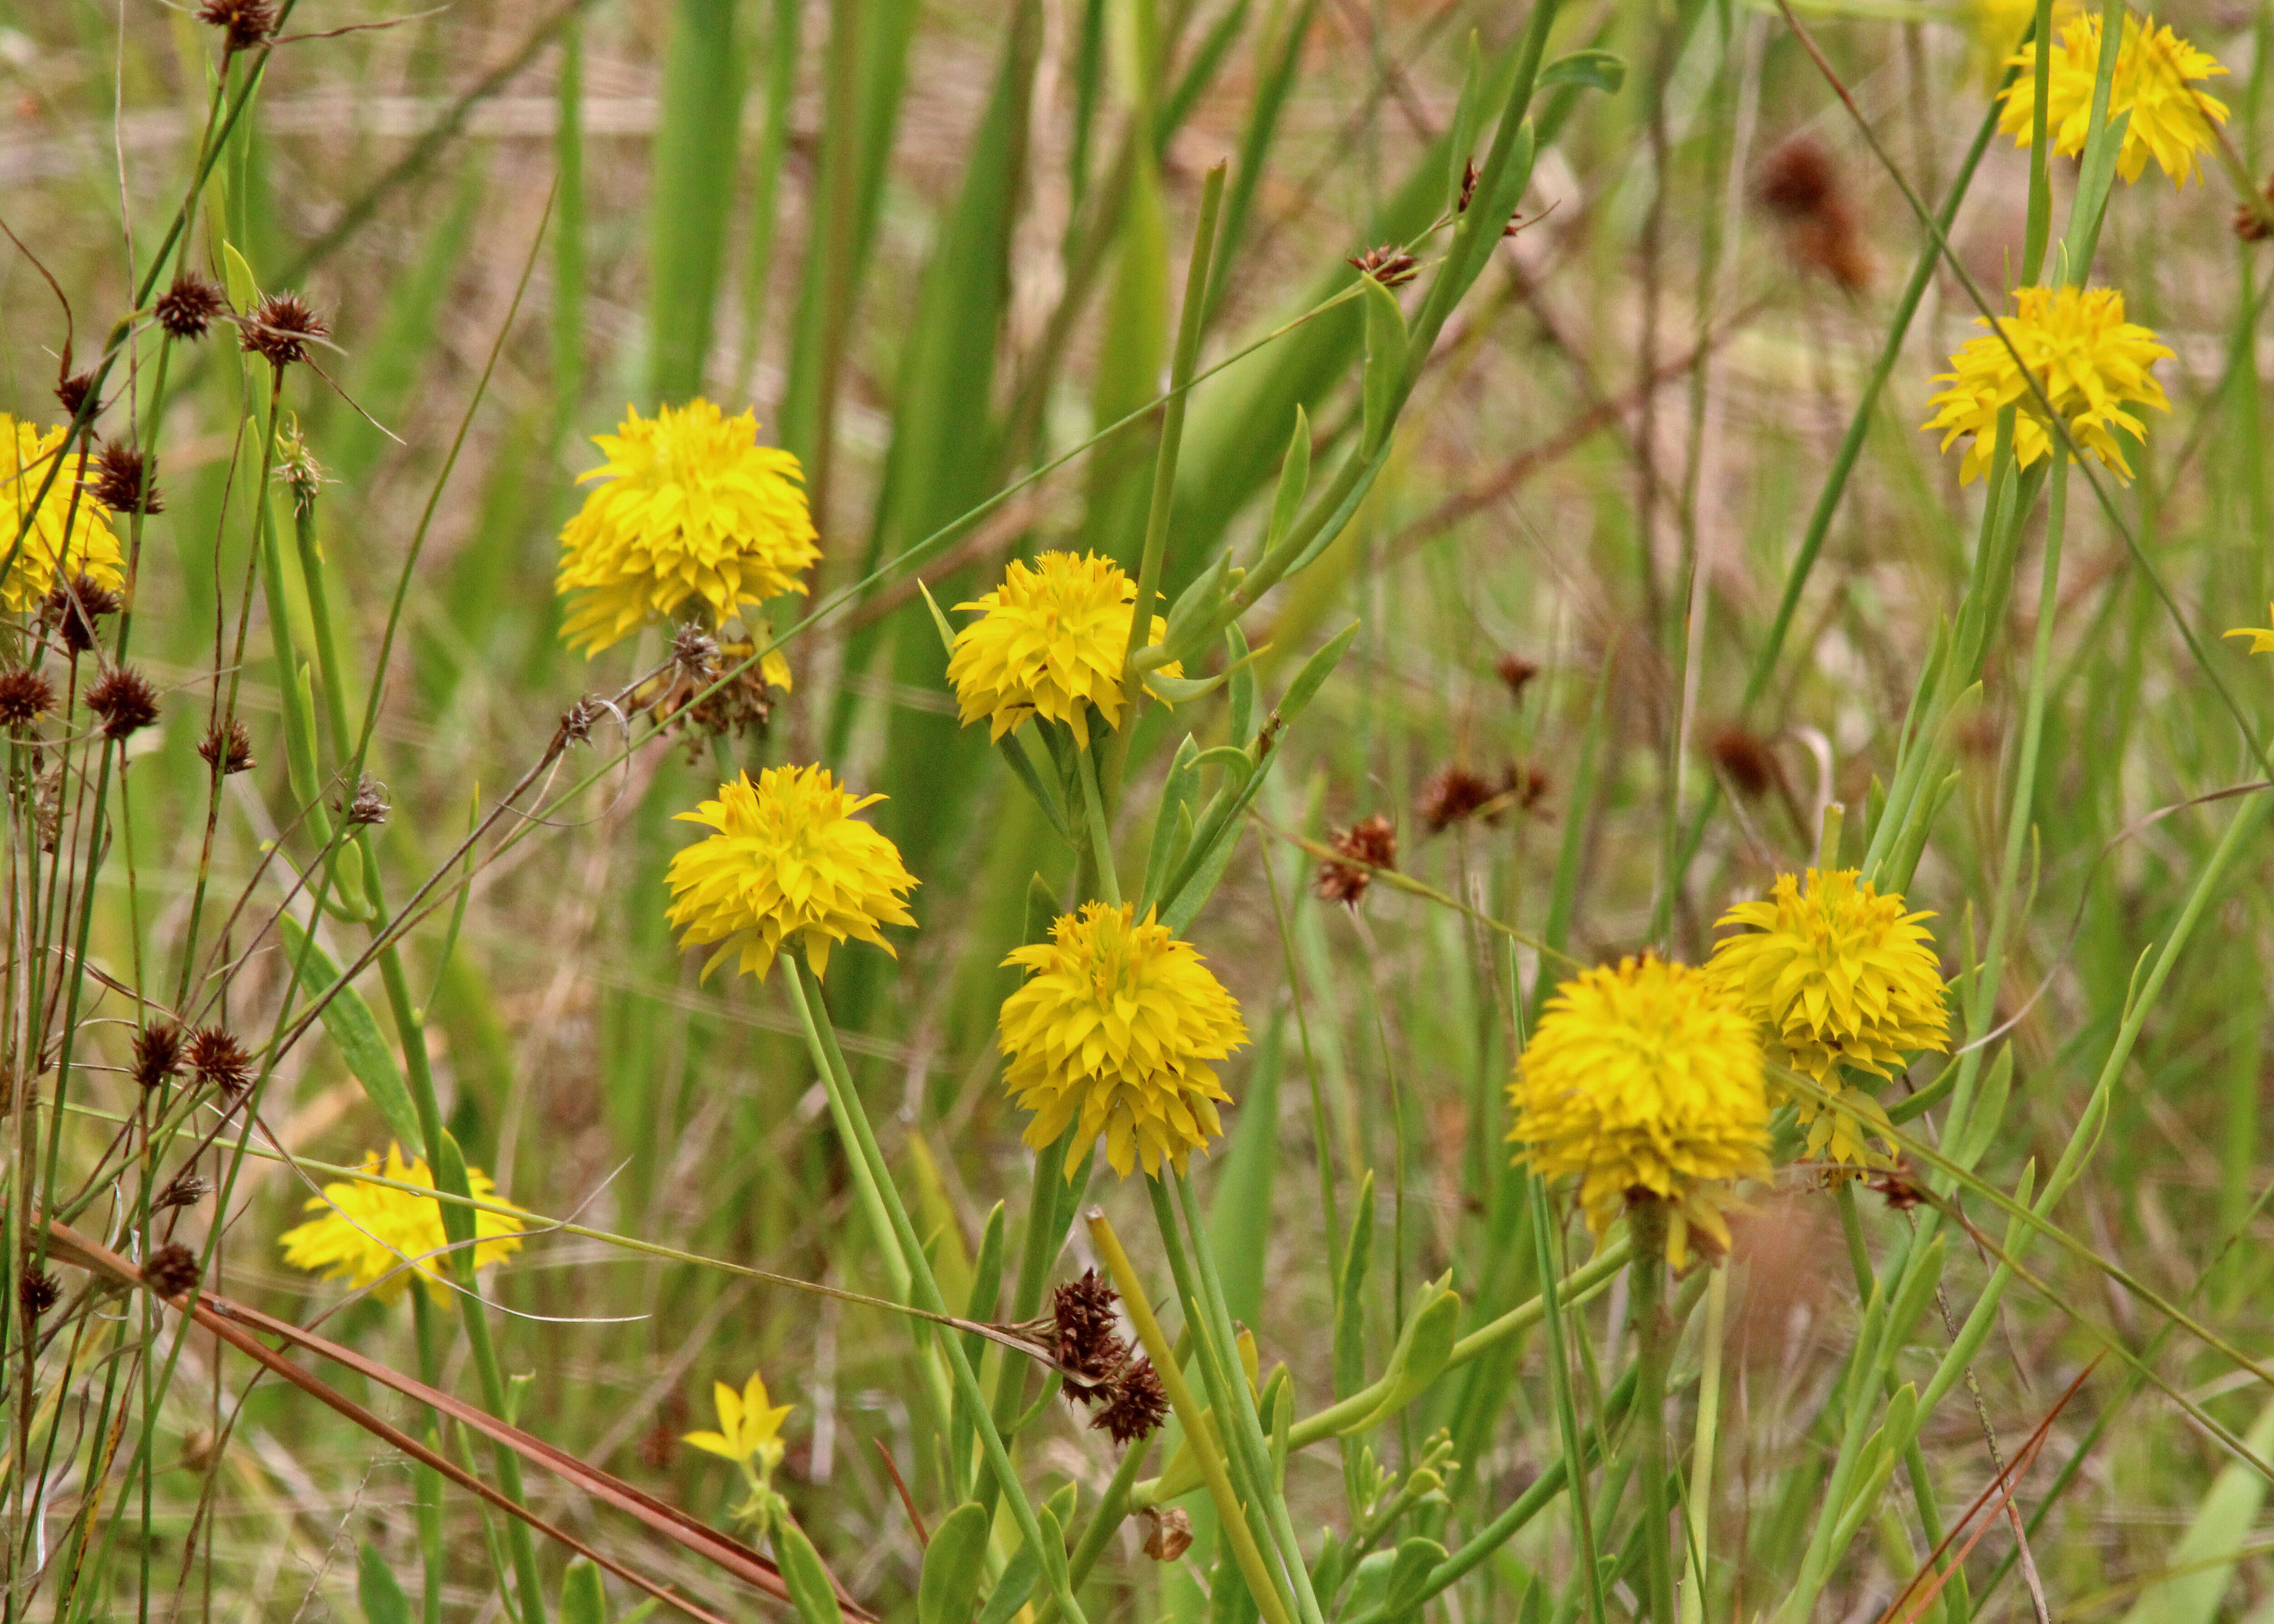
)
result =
(1115, 1027)
(789, 866)
(2090, 363)
(1051, 643)
(368, 1230)
(1644, 1080)
(2171, 121)
(750, 1425)
(693, 508)
(91, 548)
(1835, 974)
(1997, 24)
(2262, 638)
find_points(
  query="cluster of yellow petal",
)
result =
(49, 553)
(2262, 638)
(2090, 363)
(1050, 642)
(1996, 25)
(368, 1230)
(750, 1425)
(1111, 1033)
(788, 866)
(1644, 1080)
(693, 508)
(1835, 974)
(2171, 120)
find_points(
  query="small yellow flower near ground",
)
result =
(750, 1425)
(1644, 1080)
(788, 866)
(2171, 121)
(368, 1230)
(1836, 974)
(1050, 642)
(1111, 1034)
(693, 508)
(2262, 638)
(91, 550)
(2090, 363)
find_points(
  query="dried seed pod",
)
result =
(280, 329)
(1136, 1405)
(1453, 796)
(190, 306)
(26, 695)
(1389, 265)
(157, 1053)
(243, 22)
(1168, 1532)
(369, 804)
(1370, 844)
(228, 752)
(1084, 1333)
(1801, 186)
(37, 1292)
(2249, 223)
(1516, 671)
(72, 391)
(73, 610)
(125, 700)
(1746, 759)
(184, 1189)
(172, 1270)
(576, 722)
(219, 1060)
(121, 481)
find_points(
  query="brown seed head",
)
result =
(120, 481)
(1801, 186)
(1168, 1532)
(1086, 1335)
(72, 391)
(125, 700)
(1135, 1406)
(243, 22)
(1745, 759)
(577, 720)
(228, 752)
(157, 1053)
(24, 694)
(172, 1270)
(37, 1291)
(192, 306)
(2249, 223)
(220, 1060)
(1516, 671)
(74, 609)
(1388, 265)
(370, 803)
(1370, 843)
(1453, 796)
(185, 1189)
(280, 329)
(695, 652)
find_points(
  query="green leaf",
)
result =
(1349, 1293)
(583, 1599)
(693, 191)
(1467, 113)
(1423, 1349)
(1593, 70)
(382, 1594)
(2222, 1524)
(349, 1020)
(1385, 361)
(810, 1590)
(1409, 1574)
(1315, 670)
(1294, 482)
(953, 1563)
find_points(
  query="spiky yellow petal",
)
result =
(1644, 1079)
(1050, 642)
(2090, 363)
(749, 1424)
(1111, 1034)
(692, 509)
(49, 554)
(788, 866)
(368, 1230)
(1836, 974)
(2170, 120)
(2262, 638)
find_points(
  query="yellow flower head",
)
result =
(692, 507)
(1115, 1026)
(2090, 363)
(1644, 1080)
(1051, 643)
(750, 1425)
(789, 866)
(368, 1230)
(2262, 638)
(2171, 121)
(26, 457)
(1836, 974)
(1996, 25)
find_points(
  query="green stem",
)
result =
(1647, 1219)
(1101, 839)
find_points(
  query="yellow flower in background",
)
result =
(788, 866)
(48, 555)
(1111, 1034)
(2171, 121)
(1645, 1079)
(1996, 25)
(693, 508)
(1050, 642)
(750, 1425)
(2262, 638)
(368, 1230)
(2091, 364)
(1836, 974)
